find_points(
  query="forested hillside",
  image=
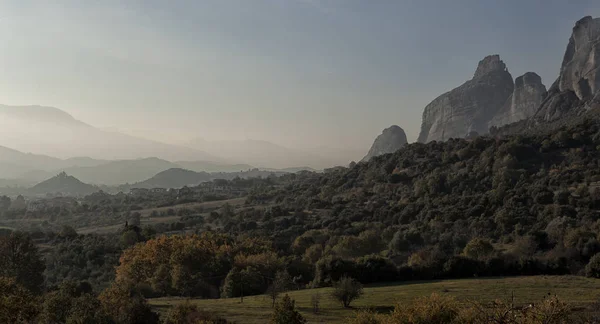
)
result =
(532, 197)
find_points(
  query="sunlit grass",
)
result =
(577, 291)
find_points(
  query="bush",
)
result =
(367, 317)
(346, 290)
(593, 267)
(550, 310)
(439, 309)
(285, 312)
(433, 309)
(478, 249)
(187, 313)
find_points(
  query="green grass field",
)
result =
(581, 293)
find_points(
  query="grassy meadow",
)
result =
(582, 293)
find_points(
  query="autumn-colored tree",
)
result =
(267, 263)
(20, 259)
(193, 264)
(478, 249)
(17, 304)
(125, 305)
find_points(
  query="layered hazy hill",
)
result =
(68, 185)
(63, 184)
(174, 178)
(17, 168)
(20, 171)
(53, 132)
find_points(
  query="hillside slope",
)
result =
(538, 193)
(51, 131)
(63, 184)
(174, 178)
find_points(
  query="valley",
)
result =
(491, 216)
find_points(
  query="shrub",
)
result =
(549, 311)
(433, 309)
(438, 309)
(368, 317)
(593, 267)
(285, 312)
(346, 290)
(478, 249)
(187, 313)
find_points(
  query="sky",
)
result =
(300, 73)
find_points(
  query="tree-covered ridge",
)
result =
(530, 195)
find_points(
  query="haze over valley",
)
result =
(300, 161)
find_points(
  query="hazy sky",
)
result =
(296, 72)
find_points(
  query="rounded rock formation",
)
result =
(389, 141)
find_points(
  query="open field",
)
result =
(581, 293)
(147, 220)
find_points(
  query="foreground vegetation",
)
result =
(487, 207)
(581, 294)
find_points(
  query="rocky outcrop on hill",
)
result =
(557, 104)
(580, 68)
(389, 141)
(572, 98)
(528, 95)
(470, 107)
(578, 84)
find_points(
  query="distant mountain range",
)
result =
(19, 168)
(56, 135)
(69, 185)
(53, 132)
(34, 174)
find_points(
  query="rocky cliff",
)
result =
(528, 95)
(578, 85)
(389, 141)
(490, 99)
(470, 107)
